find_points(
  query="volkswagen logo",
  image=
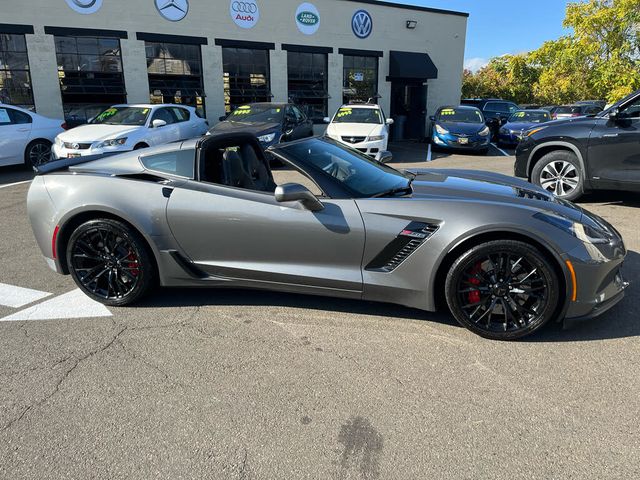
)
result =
(244, 7)
(85, 6)
(173, 10)
(362, 24)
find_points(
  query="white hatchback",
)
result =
(122, 128)
(361, 126)
(26, 137)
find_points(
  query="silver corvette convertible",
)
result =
(505, 256)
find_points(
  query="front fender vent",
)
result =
(401, 247)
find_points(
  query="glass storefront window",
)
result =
(360, 76)
(15, 78)
(307, 82)
(175, 74)
(90, 73)
(246, 76)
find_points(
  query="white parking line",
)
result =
(14, 184)
(429, 153)
(74, 304)
(500, 150)
(16, 297)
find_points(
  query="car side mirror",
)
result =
(614, 114)
(222, 118)
(326, 120)
(157, 123)
(432, 118)
(294, 192)
(389, 121)
(384, 157)
(503, 120)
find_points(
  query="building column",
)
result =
(43, 68)
(279, 79)
(213, 79)
(335, 82)
(384, 87)
(134, 65)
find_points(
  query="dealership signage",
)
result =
(245, 13)
(307, 18)
(85, 6)
(173, 10)
(362, 24)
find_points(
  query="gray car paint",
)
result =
(242, 238)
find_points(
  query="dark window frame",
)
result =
(242, 83)
(308, 83)
(366, 69)
(8, 95)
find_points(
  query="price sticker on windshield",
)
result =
(343, 112)
(448, 112)
(107, 113)
(519, 114)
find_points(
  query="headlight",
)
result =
(588, 232)
(268, 138)
(59, 141)
(114, 142)
(375, 138)
(535, 130)
(441, 130)
(484, 132)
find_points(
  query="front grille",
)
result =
(363, 150)
(401, 247)
(353, 139)
(77, 146)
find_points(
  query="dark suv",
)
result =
(572, 156)
(495, 111)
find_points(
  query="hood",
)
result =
(522, 125)
(95, 133)
(474, 185)
(462, 128)
(257, 128)
(354, 129)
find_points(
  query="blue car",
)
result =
(460, 128)
(511, 132)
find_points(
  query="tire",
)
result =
(140, 146)
(491, 302)
(560, 173)
(110, 262)
(37, 153)
(483, 151)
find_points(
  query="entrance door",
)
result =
(408, 100)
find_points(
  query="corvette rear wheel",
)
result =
(110, 262)
(502, 289)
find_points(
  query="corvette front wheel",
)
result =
(502, 289)
(110, 262)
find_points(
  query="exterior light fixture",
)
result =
(411, 24)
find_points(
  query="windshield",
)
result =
(362, 176)
(257, 113)
(460, 115)
(122, 116)
(530, 116)
(358, 115)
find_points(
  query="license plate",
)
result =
(463, 141)
(73, 155)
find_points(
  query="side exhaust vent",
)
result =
(401, 247)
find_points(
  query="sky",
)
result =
(497, 27)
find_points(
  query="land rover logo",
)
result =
(362, 24)
(307, 18)
(84, 6)
(245, 13)
(172, 10)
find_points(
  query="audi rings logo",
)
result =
(245, 13)
(84, 6)
(362, 24)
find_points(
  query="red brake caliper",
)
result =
(474, 295)
(133, 265)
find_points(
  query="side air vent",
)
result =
(401, 247)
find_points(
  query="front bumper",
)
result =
(369, 148)
(60, 151)
(509, 138)
(451, 141)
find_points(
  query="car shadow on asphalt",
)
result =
(14, 174)
(612, 197)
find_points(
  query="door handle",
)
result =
(24, 129)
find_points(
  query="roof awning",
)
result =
(411, 65)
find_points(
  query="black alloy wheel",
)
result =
(109, 261)
(37, 153)
(502, 290)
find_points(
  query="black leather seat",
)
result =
(235, 174)
(257, 170)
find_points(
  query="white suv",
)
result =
(361, 126)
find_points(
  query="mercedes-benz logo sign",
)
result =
(362, 24)
(245, 13)
(173, 10)
(84, 6)
(244, 7)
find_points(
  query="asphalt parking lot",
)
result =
(243, 384)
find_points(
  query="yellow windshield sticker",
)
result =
(107, 113)
(343, 112)
(145, 111)
(448, 111)
(519, 114)
(277, 110)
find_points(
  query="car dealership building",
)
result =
(72, 57)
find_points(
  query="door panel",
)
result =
(13, 138)
(247, 235)
(614, 148)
